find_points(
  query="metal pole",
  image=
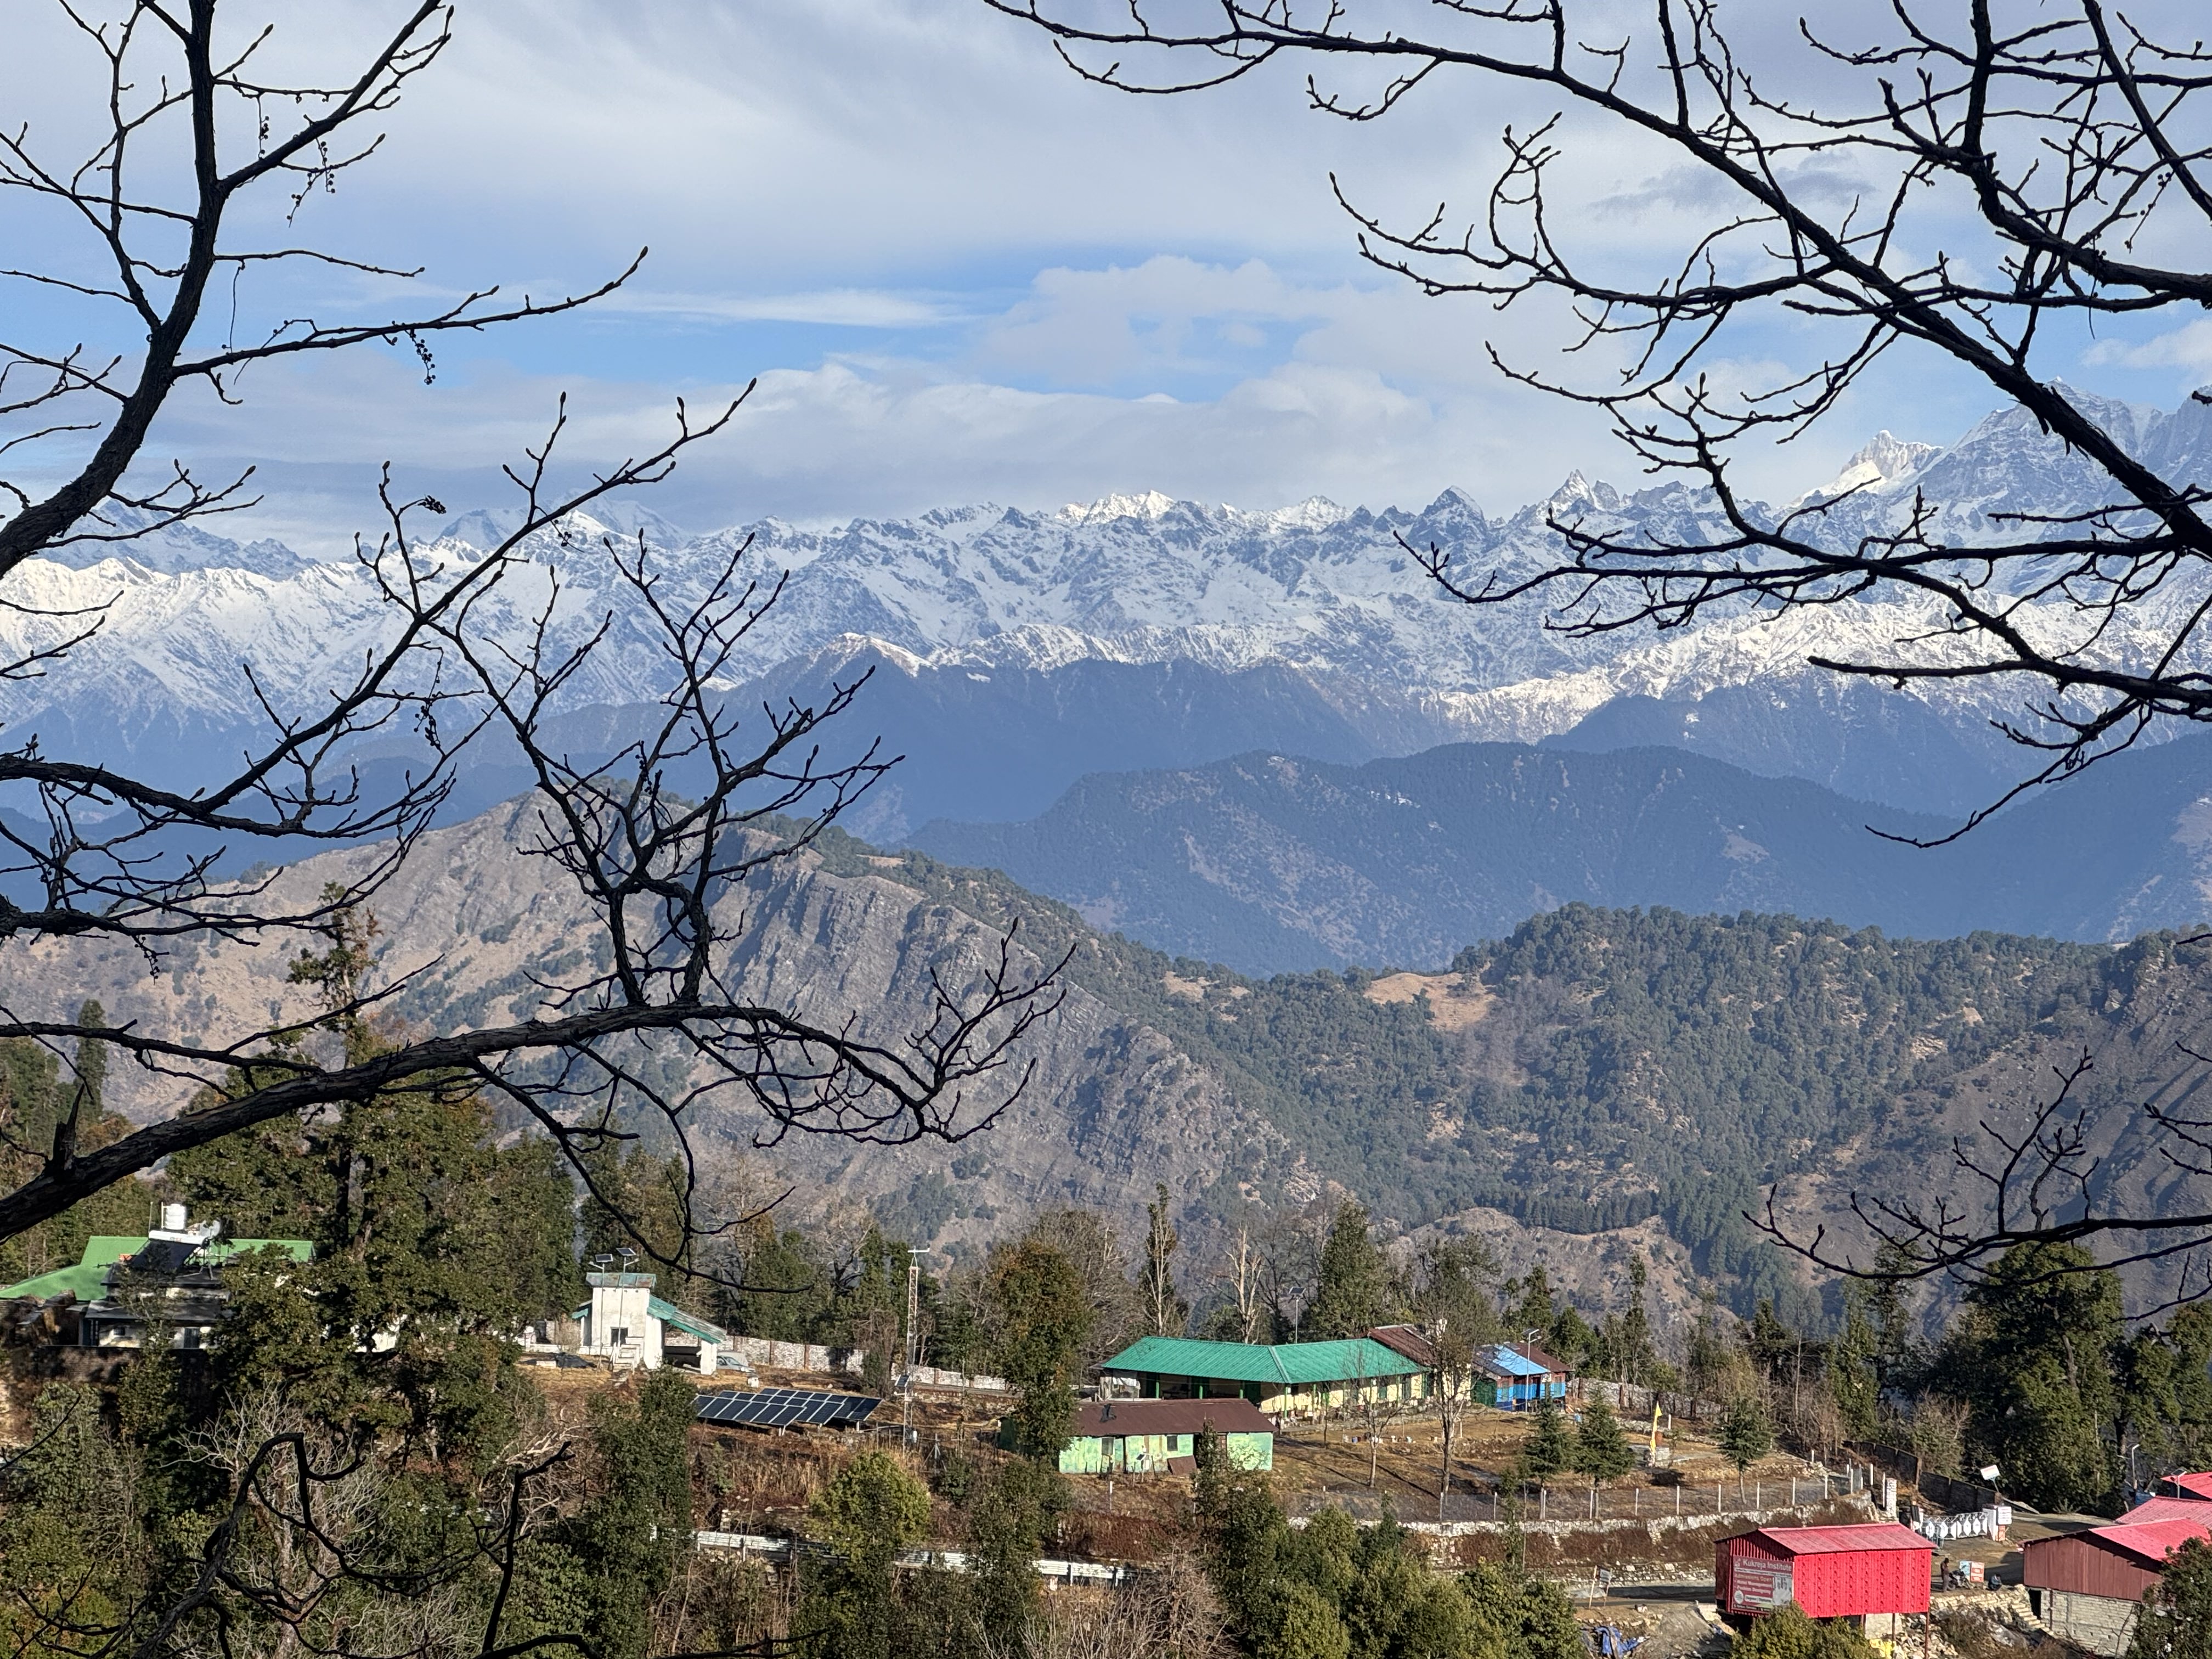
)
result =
(911, 1348)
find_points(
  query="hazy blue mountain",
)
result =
(1269, 863)
(1859, 739)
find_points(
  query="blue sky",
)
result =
(960, 273)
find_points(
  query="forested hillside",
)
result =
(1593, 1069)
(1597, 1067)
(1275, 863)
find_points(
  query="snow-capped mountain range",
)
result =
(1325, 594)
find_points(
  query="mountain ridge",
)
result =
(1279, 864)
(1328, 592)
(1603, 1076)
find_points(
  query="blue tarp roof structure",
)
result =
(1513, 1365)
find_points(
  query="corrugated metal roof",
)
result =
(2149, 1541)
(669, 1314)
(1341, 1362)
(2167, 1509)
(1837, 1540)
(1239, 1361)
(1512, 1363)
(1407, 1340)
(1556, 1367)
(86, 1278)
(2199, 1485)
(1171, 1417)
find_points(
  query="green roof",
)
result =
(1239, 1361)
(666, 1312)
(86, 1280)
(669, 1314)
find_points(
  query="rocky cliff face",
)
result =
(473, 926)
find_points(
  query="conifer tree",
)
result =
(1601, 1451)
(2176, 1622)
(2035, 1358)
(1351, 1289)
(1043, 1313)
(1550, 1448)
(1747, 1433)
(1854, 1377)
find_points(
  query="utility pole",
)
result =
(913, 1345)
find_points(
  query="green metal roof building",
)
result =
(186, 1269)
(1283, 1376)
(87, 1280)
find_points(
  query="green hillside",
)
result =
(1630, 1063)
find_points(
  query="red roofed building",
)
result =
(2087, 1586)
(2198, 1487)
(2167, 1509)
(1869, 1573)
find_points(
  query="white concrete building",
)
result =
(625, 1321)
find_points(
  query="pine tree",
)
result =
(2178, 1624)
(1351, 1290)
(1601, 1451)
(1747, 1433)
(1706, 1356)
(1043, 1314)
(1853, 1378)
(1550, 1448)
(1634, 1354)
(2037, 1356)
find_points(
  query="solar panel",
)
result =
(783, 1409)
(163, 1258)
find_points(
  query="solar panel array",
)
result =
(785, 1408)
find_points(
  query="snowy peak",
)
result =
(1107, 509)
(1328, 592)
(140, 536)
(1882, 464)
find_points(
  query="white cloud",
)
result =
(840, 307)
(1059, 291)
(2187, 347)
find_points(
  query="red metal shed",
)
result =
(1829, 1572)
(2120, 1561)
(2190, 1485)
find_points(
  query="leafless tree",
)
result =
(1164, 1310)
(1451, 1380)
(194, 136)
(1241, 1272)
(1952, 184)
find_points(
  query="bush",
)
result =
(1789, 1634)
